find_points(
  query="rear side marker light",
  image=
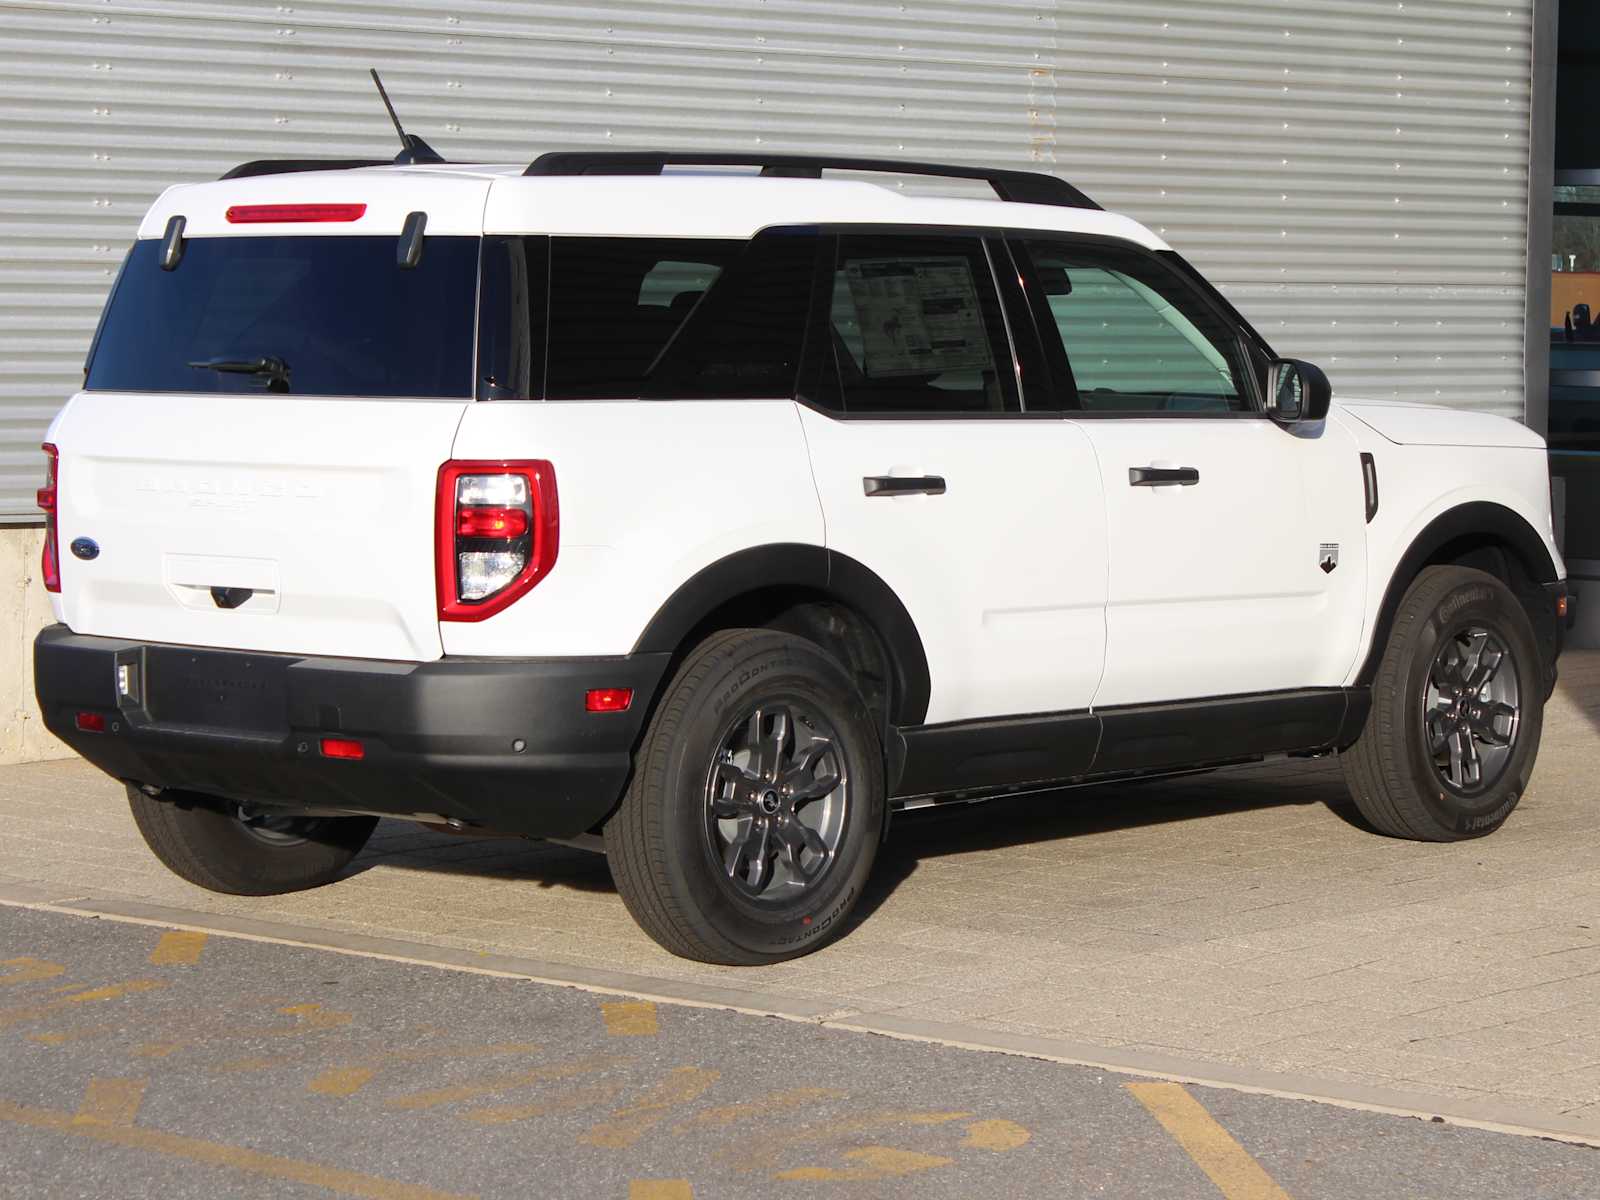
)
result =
(48, 498)
(91, 722)
(293, 214)
(1561, 606)
(496, 533)
(343, 748)
(603, 700)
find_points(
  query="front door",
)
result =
(1237, 546)
(985, 519)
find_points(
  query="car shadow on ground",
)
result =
(1006, 822)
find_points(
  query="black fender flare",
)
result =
(1475, 519)
(817, 569)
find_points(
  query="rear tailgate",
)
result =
(323, 509)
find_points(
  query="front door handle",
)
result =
(903, 485)
(1163, 476)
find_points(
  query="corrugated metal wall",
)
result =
(1353, 174)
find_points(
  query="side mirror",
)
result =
(1297, 391)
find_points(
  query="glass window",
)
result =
(915, 327)
(1135, 338)
(659, 318)
(312, 316)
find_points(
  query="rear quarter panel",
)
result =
(650, 493)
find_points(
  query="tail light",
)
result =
(50, 566)
(497, 533)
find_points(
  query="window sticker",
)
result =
(918, 316)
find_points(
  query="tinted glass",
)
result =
(336, 312)
(1135, 337)
(915, 327)
(666, 318)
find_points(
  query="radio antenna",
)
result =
(412, 148)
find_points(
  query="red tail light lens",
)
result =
(497, 533)
(608, 699)
(284, 214)
(46, 498)
(343, 748)
(91, 722)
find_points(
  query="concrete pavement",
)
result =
(1237, 927)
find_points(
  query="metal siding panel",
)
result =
(1355, 179)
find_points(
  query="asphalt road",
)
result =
(136, 1061)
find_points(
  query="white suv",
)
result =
(722, 515)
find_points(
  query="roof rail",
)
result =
(1025, 187)
(289, 166)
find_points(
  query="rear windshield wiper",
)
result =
(274, 368)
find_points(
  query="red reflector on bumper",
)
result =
(608, 699)
(342, 748)
(278, 214)
(91, 722)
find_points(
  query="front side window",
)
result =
(310, 316)
(915, 328)
(1135, 339)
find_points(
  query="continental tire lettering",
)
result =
(1455, 603)
(807, 932)
(1487, 820)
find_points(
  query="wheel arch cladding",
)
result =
(1470, 535)
(805, 573)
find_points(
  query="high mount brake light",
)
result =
(496, 533)
(286, 214)
(48, 498)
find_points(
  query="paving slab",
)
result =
(1239, 922)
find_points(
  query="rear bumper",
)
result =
(439, 739)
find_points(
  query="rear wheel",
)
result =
(227, 847)
(756, 806)
(1457, 709)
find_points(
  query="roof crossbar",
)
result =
(1024, 187)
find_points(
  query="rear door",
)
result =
(985, 519)
(256, 449)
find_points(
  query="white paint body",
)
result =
(1039, 582)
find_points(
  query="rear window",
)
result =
(313, 316)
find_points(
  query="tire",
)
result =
(1443, 700)
(687, 845)
(207, 841)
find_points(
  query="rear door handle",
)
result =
(1163, 476)
(903, 485)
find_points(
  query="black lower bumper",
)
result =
(502, 744)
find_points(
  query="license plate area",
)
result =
(215, 689)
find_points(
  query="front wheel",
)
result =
(756, 805)
(226, 847)
(1457, 709)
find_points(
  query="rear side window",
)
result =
(315, 316)
(574, 318)
(915, 328)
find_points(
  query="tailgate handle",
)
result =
(231, 597)
(903, 485)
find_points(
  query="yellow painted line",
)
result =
(110, 1102)
(29, 970)
(660, 1189)
(307, 1018)
(70, 1035)
(502, 1083)
(567, 1101)
(765, 1153)
(630, 1018)
(1228, 1164)
(112, 991)
(341, 1081)
(996, 1135)
(765, 1106)
(222, 1154)
(627, 1125)
(874, 1162)
(181, 948)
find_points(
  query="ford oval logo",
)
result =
(86, 548)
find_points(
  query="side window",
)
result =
(573, 318)
(1135, 338)
(915, 328)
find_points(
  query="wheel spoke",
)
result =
(1498, 723)
(1448, 668)
(1490, 656)
(816, 788)
(734, 851)
(1464, 758)
(773, 750)
(1438, 732)
(760, 857)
